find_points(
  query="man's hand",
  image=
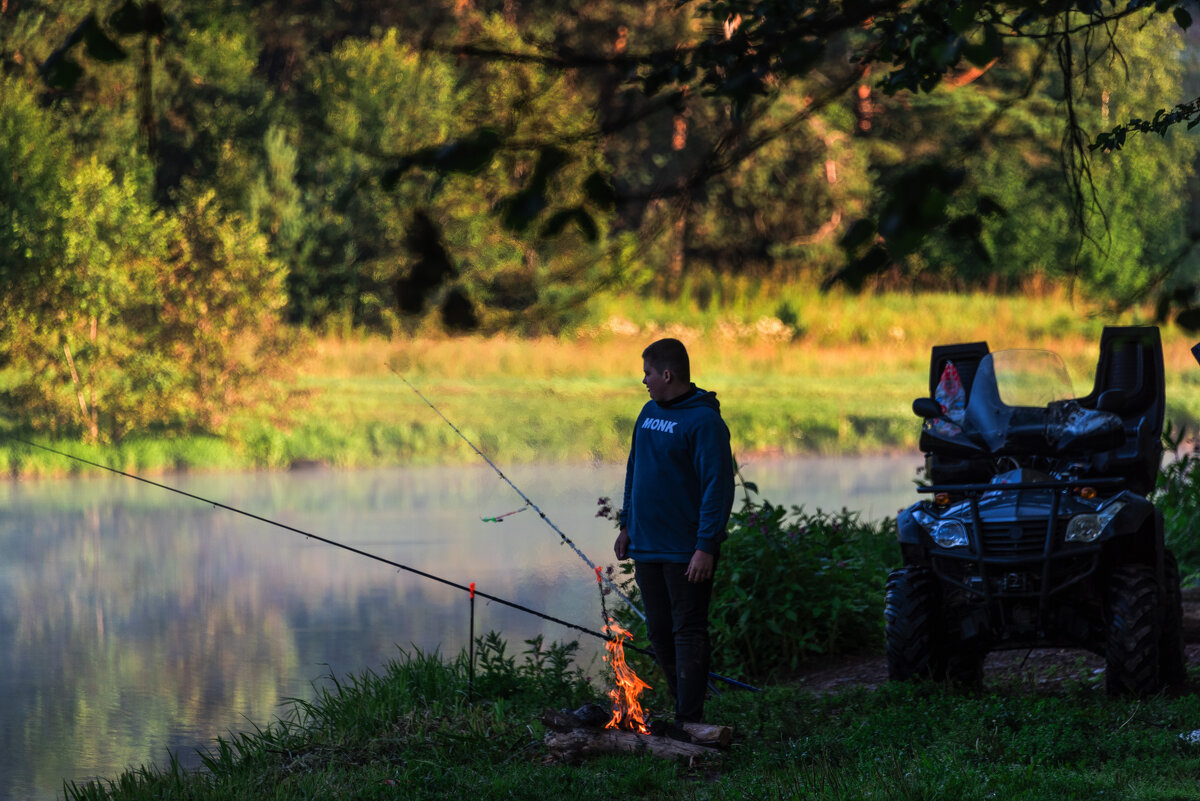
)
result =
(700, 568)
(621, 547)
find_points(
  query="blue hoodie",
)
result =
(679, 480)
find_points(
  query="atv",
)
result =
(1037, 531)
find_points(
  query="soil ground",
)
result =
(1038, 669)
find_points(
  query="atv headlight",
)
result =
(949, 534)
(1089, 528)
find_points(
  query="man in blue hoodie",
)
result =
(678, 496)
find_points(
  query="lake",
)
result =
(136, 622)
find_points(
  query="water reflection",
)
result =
(134, 621)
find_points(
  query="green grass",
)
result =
(415, 731)
(797, 372)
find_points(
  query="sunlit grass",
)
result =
(839, 378)
(796, 370)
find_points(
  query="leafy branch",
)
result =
(1160, 123)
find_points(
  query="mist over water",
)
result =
(135, 621)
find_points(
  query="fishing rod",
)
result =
(611, 584)
(360, 552)
(312, 536)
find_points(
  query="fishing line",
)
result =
(612, 585)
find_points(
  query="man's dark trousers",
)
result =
(677, 624)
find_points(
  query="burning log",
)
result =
(579, 733)
(593, 730)
(577, 743)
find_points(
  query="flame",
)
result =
(627, 712)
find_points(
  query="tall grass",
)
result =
(420, 727)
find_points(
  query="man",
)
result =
(678, 496)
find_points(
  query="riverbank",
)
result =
(421, 728)
(801, 374)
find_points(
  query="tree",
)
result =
(1001, 126)
(456, 233)
(117, 316)
(694, 105)
(748, 54)
(68, 332)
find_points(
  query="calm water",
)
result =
(134, 621)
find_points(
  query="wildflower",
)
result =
(605, 508)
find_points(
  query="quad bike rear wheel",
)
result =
(1172, 661)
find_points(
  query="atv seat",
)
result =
(1129, 382)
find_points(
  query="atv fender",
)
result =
(908, 530)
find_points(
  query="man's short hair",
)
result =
(669, 354)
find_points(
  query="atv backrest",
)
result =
(947, 461)
(966, 358)
(1130, 370)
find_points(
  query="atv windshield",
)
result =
(1026, 377)
(1023, 401)
(1012, 392)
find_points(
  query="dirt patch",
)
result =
(1038, 669)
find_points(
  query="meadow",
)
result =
(797, 372)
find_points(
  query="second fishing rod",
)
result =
(605, 580)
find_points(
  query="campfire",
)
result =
(627, 712)
(574, 734)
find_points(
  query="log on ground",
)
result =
(577, 743)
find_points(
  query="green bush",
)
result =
(797, 584)
(1177, 495)
(548, 672)
(790, 585)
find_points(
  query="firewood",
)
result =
(576, 743)
(592, 716)
(708, 734)
(587, 716)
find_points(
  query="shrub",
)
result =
(796, 584)
(1177, 495)
(548, 672)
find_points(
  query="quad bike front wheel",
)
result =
(1132, 651)
(913, 625)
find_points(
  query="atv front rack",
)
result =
(1018, 561)
(970, 489)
